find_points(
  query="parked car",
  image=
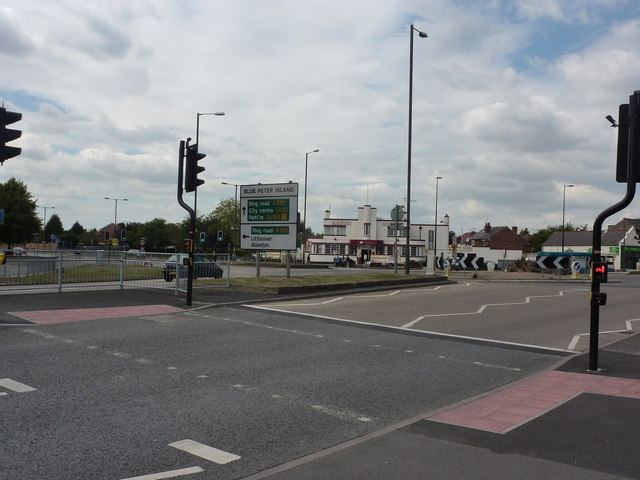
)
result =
(203, 266)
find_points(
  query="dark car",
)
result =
(202, 267)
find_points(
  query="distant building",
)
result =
(368, 238)
(497, 244)
(620, 248)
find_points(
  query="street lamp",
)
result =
(435, 232)
(115, 216)
(306, 168)
(237, 207)
(44, 224)
(195, 193)
(564, 195)
(421, 35)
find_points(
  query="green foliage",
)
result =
(53, 226)
(20, 217)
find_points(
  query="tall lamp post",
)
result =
(564, 195)
(408, 249)
(237, 207)
(435, 231)
(198, 115)
(44, 225)
(115, 216)
(304, 212)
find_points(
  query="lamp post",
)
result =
(195, 193)
(408, 249)
(435, 231)
(237, 207)
(564, 195)
(115, 216)
(44, 224)
(304, 212)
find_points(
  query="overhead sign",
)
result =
(269, 216)
(550, 262)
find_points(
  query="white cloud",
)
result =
(503, 121)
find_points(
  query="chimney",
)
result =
(487, 227)
(515, 230)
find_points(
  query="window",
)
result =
(430, 240)
(335, 229)
(353, 250)
(379, 249)
(389, 249)
(367, 229)
(414, 251)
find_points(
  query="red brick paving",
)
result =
(509, 408)
(79, 314)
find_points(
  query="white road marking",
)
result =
(342, 414)
(576, 338)
(412, 322)
(205, 451)
(168, 474)
(501, 367)
(15, 386)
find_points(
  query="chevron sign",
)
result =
(550, 262)
(470, 260)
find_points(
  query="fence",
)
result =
(99, 268)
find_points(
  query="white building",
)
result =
(368, 238)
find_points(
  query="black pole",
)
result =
(633, 154)
(192, 216)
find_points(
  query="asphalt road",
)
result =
(553, 315)
(126, 397)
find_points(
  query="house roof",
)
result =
(486, 235)
(582, 239)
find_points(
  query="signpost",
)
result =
(553, 262)
(269, 216)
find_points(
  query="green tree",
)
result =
(20, 218)
(157, 235)
(77, 229)
(226, 218)
(53, 227)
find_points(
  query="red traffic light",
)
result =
(600, 272)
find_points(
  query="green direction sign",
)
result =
(268, 210)
(270, 230)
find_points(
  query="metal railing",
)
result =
(101, 268)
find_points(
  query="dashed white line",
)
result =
(205, 451)
(501, 367)
(168, 474)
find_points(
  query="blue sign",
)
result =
(1, 217)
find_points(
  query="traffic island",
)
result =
(324, 283)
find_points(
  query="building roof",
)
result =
(583, 239)
(487, 233)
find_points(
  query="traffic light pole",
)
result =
(633, 156)
(192, 216)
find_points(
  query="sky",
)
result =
(509, 105)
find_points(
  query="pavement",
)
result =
(564, 423)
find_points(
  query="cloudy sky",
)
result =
(509, 101)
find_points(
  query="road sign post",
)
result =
(269, 216)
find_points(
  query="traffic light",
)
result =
(599, 272)
(123, 235)
(185, 245)
(203, 237)
(220, 236)
(628, 137)
(192, 169)
(107, 236)
(8, 134)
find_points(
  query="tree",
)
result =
(20, 217)
(53, 227)
(77, 229)
(157, 234)
(225, 218)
